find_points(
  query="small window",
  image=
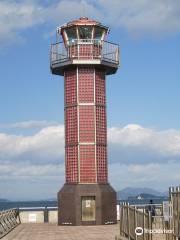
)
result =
(85, 32)
(71, 34)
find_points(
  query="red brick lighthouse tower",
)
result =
(84, 58)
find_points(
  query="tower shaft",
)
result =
(85, 125)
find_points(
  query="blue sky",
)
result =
(143, 97)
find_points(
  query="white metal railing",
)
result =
(84, 49)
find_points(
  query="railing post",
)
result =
(170, 212)
(18, 215)
(128, 221)
(135, 221)
(46, 215)
(143, 223)
(121, 217)
(178, 210)
(57, 51)
(149, 225)
(175, 211)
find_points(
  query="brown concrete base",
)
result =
(69, 204)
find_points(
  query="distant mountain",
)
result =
(3, 200)
(133, 192)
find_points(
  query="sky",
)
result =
(143, 97)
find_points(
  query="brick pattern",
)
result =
(101, 127)
(87, 164)
(86, 124)
(86, 85)
(101, 130)
(70, 87)
(71, 156)
(71, 125)
(100, 87)
(85, 51)
(101, 158)
(90, 166)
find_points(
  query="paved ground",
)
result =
(54, 232)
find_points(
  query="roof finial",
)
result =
(83, 10)
(83, 18)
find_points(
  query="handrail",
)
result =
(84, 49)
(9, 219)
(37, 208)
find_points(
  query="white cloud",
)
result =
(166, 143)
(16, 17)
(13, 171)
(138, 16)
(155, 16)
(27, 125)
(138, 156)
(154, 175)
(46, 144)
(65, 11)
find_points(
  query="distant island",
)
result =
(146, 196)
(142, 193)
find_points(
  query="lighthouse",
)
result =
(84, 58)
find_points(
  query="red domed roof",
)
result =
(83, 21)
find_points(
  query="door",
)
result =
(88, 205)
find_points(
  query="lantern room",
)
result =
(84, 42)
(83, 29)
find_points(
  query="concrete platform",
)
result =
(53, 232)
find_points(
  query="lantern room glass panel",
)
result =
(98, 33)
(71, 34)
(85, 32)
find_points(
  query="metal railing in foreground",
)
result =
(38, 214)
(156, 212)
(133, 221)
(9, 219)
(146, 222)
